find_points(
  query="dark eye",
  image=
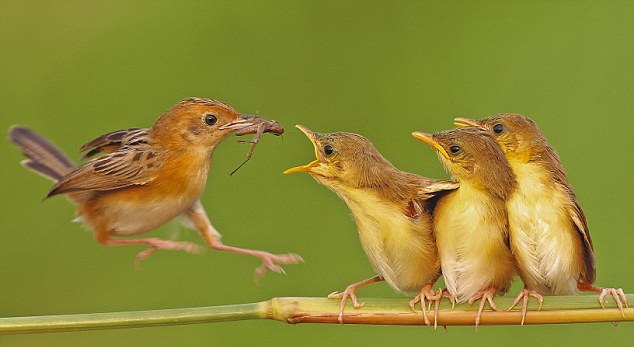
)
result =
(328, 150)
(210, 119)
(498, 128)
(454, 149)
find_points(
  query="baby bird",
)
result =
(548, 230)
(148, 177)
(470, 223)
(391, 209)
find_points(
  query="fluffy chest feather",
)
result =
(471, 233)
(543, 238)
(401, 249)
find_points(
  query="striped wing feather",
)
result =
(112, 141)
(581, 224)
(133, 163)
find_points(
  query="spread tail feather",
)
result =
(43, 157)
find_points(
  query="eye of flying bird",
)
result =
(210, 119)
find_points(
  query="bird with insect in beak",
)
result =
(147, 177)
(391, 209)
(470, 223)
(548, 229)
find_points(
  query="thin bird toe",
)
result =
(335, 295)
(413, 302)
(357, 304)
(290, 258)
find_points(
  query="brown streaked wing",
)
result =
(112, 141)
(434, 187)
(581, 224)
(122, 168)
(574, 210)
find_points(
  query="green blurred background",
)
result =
(74, 70)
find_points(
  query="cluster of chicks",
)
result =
(510, 211)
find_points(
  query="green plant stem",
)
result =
(132, 319)
(556, 310)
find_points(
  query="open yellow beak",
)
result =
(465, 122)
(307, 167)
(429, 140)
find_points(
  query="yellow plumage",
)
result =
(391, 210)
(400, 249)
(471, 240)
(543, 238)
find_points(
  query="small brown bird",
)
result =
(391, 209)
(147, 177)
(470, 223)
(548, 230)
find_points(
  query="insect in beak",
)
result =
(258, 126)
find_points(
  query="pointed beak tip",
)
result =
(465, 122)
(429, 140)
(302, 168)
(304, 129)
(295, 169)
(288, 171)
(421, 136)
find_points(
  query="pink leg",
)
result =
(446, 294)
(350, 292)
(199, 218)
(154, 243)
(427, 293)
(483, 296)
(525, 293)
(619, 296)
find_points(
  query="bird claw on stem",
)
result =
(269, 261)
(427, 293)
(617, 294)
(452, 299)
(526, 294)
(349, 292)
(483, 296)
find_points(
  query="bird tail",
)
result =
(43, 157)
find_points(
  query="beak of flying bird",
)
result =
(242, 121)
(258, 124)
(466, 122)
(429, 140)
(312, 164)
